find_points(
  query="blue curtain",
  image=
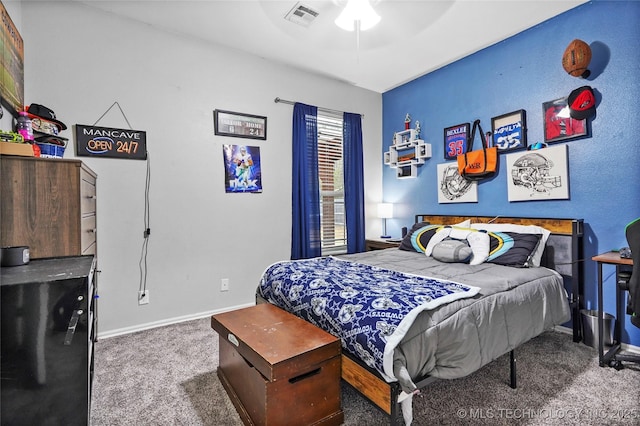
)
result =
(305, 232)
(354, 181)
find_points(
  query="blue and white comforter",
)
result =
(370, 308)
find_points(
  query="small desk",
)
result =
(612, 358)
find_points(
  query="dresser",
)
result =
(48, 330)
(48, 205)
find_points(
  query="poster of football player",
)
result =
(558, 124)
(242, 168)
(541, 174)
(453, 188)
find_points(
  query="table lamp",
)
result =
(385, 211)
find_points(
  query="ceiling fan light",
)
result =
(357, 10)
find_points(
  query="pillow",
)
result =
(418, 237)
(452, 251)
(536, 257)
(512, 249)
(420, 233)
(478, 241)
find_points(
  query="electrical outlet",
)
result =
(143, 297)
(224, 284)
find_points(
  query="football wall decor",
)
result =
(576, 59)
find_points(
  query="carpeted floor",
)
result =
(167, 376)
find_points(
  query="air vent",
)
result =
(301, 15)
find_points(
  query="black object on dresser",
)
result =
(47, 341)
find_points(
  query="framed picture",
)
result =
(536, 175)
(11, 65)
(558, 124)
(510, 131)
(453, 188)
(235, 124)
(242, 169)
(455, 140)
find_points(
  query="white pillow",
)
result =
(536, 257)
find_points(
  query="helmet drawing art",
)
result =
(532, 171)
(453, 185)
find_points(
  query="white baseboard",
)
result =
(168, 321)
(624, 346)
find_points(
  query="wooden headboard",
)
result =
(563, 251)
(556, 226)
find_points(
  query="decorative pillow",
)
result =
(418, 237)
(452, 251)
(512, 249)
(420, 233)
(520, 229)
(478, 241)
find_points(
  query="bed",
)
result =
(470, 305)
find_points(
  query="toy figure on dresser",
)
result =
(24, 127)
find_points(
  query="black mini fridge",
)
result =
(48, 324)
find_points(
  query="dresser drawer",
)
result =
(88, 233)
(87, 193)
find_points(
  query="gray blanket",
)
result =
(454, 340)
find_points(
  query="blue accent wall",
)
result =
(522, 72)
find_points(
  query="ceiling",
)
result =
(413, 37)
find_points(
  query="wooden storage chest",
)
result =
(277, 368)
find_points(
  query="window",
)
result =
(333, 227)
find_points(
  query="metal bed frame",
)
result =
(563, 253)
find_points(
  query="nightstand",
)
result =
(380, 244)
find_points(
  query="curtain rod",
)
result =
(335, 111)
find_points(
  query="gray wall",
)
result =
(79, 61)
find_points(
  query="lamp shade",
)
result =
(357, 11)
(385, 210)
